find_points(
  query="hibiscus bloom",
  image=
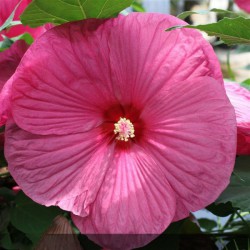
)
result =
(121, 123)
(9, 60)
(6, 8)
(240, 99)
(244, 5)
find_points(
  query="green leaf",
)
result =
(3, 162)
(35, 237)
(175, 227)
(12, 238)
(246, 84)
(87, 243)
(4, 218)
(169, 239)
(207, 224)
(25, 36)
(221, 209)
(238, 191)
(5, 44)
(40, 12)
(138, 7)
(30, 217)
(190, 227)
(185, 14)
(5, 240)
(230, 30)
(7, 194)
(9, 22)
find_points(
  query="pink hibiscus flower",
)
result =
(6, 8)
(244, 5)
(240, 98)
(121, 123)
(9, 60)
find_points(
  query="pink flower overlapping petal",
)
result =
(9, 60)
(244, 5)
(240, 99)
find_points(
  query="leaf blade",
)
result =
(40, 12)
(239, 188)
(230, 30)
(30, 217)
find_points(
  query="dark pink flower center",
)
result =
(123, 124)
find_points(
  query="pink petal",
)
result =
(64, 86)
(191, 134)
(9, 60)
(6, 8)
(66, 171)
(135, 197)
(146, 57)
(240, 99)
(244, 5)
(5, 102)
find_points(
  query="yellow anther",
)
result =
(125, 129)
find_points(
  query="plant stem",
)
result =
(229, 69)
(243, 220)
(231, 218)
